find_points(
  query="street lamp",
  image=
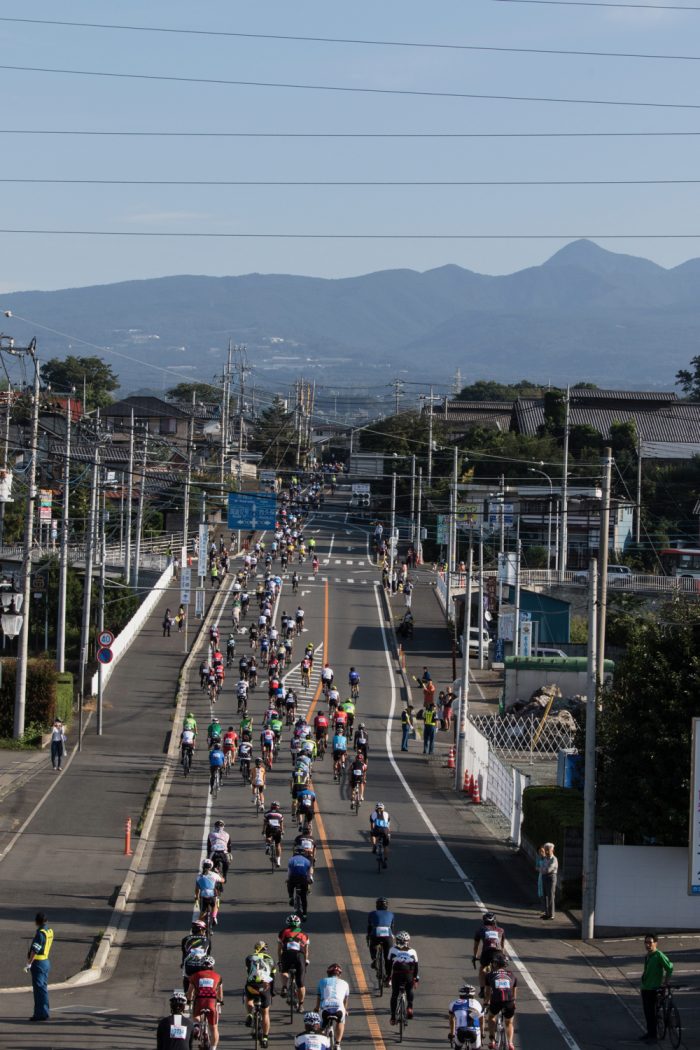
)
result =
(535, 470)
(11, 617)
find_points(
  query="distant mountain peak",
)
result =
(591, 256)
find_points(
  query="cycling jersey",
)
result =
(260, 968)
(340, 743)
(293, 940)
(492, 939)
(358, 770)
(333, 696)
(218, 842)
(306, 799)
(273, 822)
(467, 1014)
(380, 923)
(403, 962)
(332, 993)
(258, 777)
(206, 984)
(230, 740)
(327, 674)
(245, 750)
(216, 758)
(341, 718)
(187, 738)
(299, 867)
(267, 738)
(321, 722)
(276, 725)
(190, 723)
(353, 678)
(349, 707)
(242, 687)
(206, 884)
(502, 984)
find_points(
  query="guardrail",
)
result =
(635, 583)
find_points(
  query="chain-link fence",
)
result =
(524, 739)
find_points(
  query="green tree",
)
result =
(689, 381)
(275, 436)
(644, 734)
(182, 393)
(489, 390)
(405, 434)
(92, 373)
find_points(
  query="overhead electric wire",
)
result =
(218, 234)
(355, 41)
(355, 134)
(495, 183)
(349, 89)
(601, 3)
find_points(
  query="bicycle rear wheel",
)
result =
(674, 1026)
(660, 1018)
(381, 975)
(292, 997)
(380, 856)
(204, 1032)
(401, 1015)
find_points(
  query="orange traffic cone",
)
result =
(451, 758)
(476, 797)
(465, 785)
(470, 789)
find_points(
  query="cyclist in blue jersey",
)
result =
(340, 751)
(217, 758)
(380, 930)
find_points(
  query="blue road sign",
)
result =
(105, 655)
(251, 511)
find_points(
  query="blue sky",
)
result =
(42, 101)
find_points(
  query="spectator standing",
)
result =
(657, 969)
(38, 966)
(430, 725)
(407, 593)
(539, 868)
(447, 709)
(181, 614)
(167, 623)
(407, 726)
(58, 744)
(550, 870)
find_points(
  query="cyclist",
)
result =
(465, 1014)
(187, 743)
(341, 719)
(354, 682)
(306, 846)
(267, 745)
(276, 725)
(349, 708)
(305, 667)
(492, 937)
(213, 732)
(501, 983)
(380, 930)
(245, 753)
(312, 1038)
(206, 992)
(206, 893)
(293, 955)
(295, 583)
(230, 743)
(190, 721)
(358, 775)
(257, 781)
(243, 667)
(327, 677)
(260, 984)
(306, 801)
(299, 877)
(340, 749)
(220, 675)
(333, 699)
(380, 826)
(273, 830)
(203, 675)
(332, 999)
(195, 945)
(253, 636)
(361, 740)
(242, 694)
(309, 652)
(253, 672)
(219, 847)
(299, 781)
(216, 764)
(402, 972)
(214, 636)
(230, 650)
(321, 729)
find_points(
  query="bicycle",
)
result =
(297, 906)
(259, 801)
(339, 769)
(355, 801)
(271, 851)
(355, 690)
(501, 1037)
(292, 997)
(305, 678)
(402, 1013)
(216, 783)
(668, 1020)
(380, 962)
(257, 1032)
(205, 1026)
(380, 854)
(186, 760)
(320, 748)
(228, 761)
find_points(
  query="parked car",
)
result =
(547, 651)
(615, 573)
(474, 642)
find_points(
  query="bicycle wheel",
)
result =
(501, 1040)
(380, 856)
(401, 1014)
(257, 1027)
(186, 762)
(381, 975)
(673, 1021)
(660, 1017)
(292, 997)
(204, 1032)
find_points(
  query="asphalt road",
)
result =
(443, 865)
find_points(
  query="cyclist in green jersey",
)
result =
(276, 727)
(214, 731)
(190, 722)
(246, 724)
(349, 707)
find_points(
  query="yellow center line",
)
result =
(341, 907)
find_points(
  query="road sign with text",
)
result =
(251, 511)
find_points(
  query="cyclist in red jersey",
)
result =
(206, 992)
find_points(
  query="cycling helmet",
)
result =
(260, 946)
(219, 824)
(258, 761)
(207, 864)
(198, 926)
(208, 962)
(215, 719)
(498, 961)
(274, 805)
(334, 970)
(361, 725)
(352, 670)
(293, 920)
(403, 939)
(379, 805)
(489, 918)
(381, 904)
(190, 715)
(230, 729)
(467, 991)
(178, 1002)
(312, 1019)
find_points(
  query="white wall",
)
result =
(521, 684)
(644, 887)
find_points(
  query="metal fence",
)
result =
(524, 739)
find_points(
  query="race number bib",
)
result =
(178, 1031)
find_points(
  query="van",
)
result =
(548, 652)
(474, 640)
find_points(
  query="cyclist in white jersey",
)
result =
(466, 1019)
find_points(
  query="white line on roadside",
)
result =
(330, 549)
(463, 877)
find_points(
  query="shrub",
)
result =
(548, 811)
(40, 695)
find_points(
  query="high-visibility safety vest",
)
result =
(48, 941)
(429, 716)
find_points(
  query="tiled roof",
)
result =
(144, 406)
(584, 394)
(677, 421)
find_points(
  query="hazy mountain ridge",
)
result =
(585, 312)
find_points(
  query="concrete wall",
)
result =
(520, 684)
(641, 888)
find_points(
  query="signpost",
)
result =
(251, 511)
(105, 639)
(105, 655)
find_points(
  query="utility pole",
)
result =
(603, 560)
(102, 497)
(129, 504)
(26, 578)
(419, 543)
(563, 557)
(225, 395)
(63, 556)
(451, 538)
(464, 691)
(398, 385)
(430, 441)
(87, 585)
(5, 455)
(413, 501)
(481, 597)
(139, 512)
(638, 502)
(298, 387)
(588, 897)
(392, 529)
(516, 625)
(502, 538)
(188, 483)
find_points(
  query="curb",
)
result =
(107, 954)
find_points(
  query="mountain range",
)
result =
(585, 314)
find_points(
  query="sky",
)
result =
(396, 90)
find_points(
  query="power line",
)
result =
(357, 237)
(346, 89)
(356, 134)
(352, 182)
(364, 42)
(599, 3)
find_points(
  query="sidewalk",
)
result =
(70, 860)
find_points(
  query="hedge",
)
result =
(64, 696)
(547, 811)
(40, 695)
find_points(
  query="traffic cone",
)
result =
(470, 790)
(451, 758)
(476, 797)
(465, 785)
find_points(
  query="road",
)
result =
(444, 868)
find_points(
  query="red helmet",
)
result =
(334, 970)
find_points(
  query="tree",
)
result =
(275, 436)
(644, 730)
(90, 373)
(182, 393)
(489, 390)
(688, 381)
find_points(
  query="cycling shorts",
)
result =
(508, 1008)
(274, 834)
(321, 732)
(263, 992)
(337, 755)
(338, 1011)
(467, 1037)
(205, 1003)
(294, 962)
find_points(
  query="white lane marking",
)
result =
(349, 580)
(463, 877)
(349, 561)
(337, 562)
(336, 579)
(305, 592)
(330, 550)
